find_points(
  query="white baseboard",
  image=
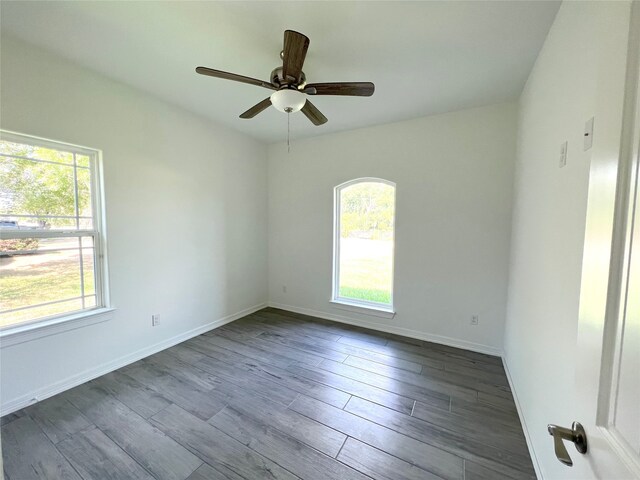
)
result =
(75, 380)
(405, 332)
(527, 437)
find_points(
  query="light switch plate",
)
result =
(588, 134)
(563, 154)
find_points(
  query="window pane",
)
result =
(89, 301)
(36, 188)
(366, 242)
(82, 160)
(41, 195)
(38, 271)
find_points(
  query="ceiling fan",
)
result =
(290, 83)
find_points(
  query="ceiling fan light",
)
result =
(288, 100)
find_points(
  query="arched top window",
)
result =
(364, 243)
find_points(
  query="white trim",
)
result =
(80, 378)
(621, 448)
(22, 215)
(405, 332)
(43, 304)
(43, 328)
(17, 137)
(11, 234)
(365, 308)
(37, 160)
(523, 423)
(100, 249)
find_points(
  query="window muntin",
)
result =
(51, 261)
(364, 243)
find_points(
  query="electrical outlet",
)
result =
(155, 319)
(474, 320)
(284, 289)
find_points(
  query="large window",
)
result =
(51, 261)
(364, 243)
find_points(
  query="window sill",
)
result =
(363, 309)
(25, 333)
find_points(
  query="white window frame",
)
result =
(374, 308)
(48, 325)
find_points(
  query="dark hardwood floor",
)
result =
(278, 395)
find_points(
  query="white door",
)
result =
(608, 371)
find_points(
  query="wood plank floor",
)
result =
(278, 395)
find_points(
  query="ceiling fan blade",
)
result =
(256, 109)
(236, 78)
(313, 114)
(294, 53)
(358, 89)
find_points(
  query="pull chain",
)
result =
(289, 131)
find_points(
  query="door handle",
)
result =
(576, 434)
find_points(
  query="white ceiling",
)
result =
(424, 57)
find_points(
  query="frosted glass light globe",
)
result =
(288, 100)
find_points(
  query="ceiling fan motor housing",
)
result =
(278, 79)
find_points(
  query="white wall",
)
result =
(186, 215)
(454, 180)
(579, 73)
